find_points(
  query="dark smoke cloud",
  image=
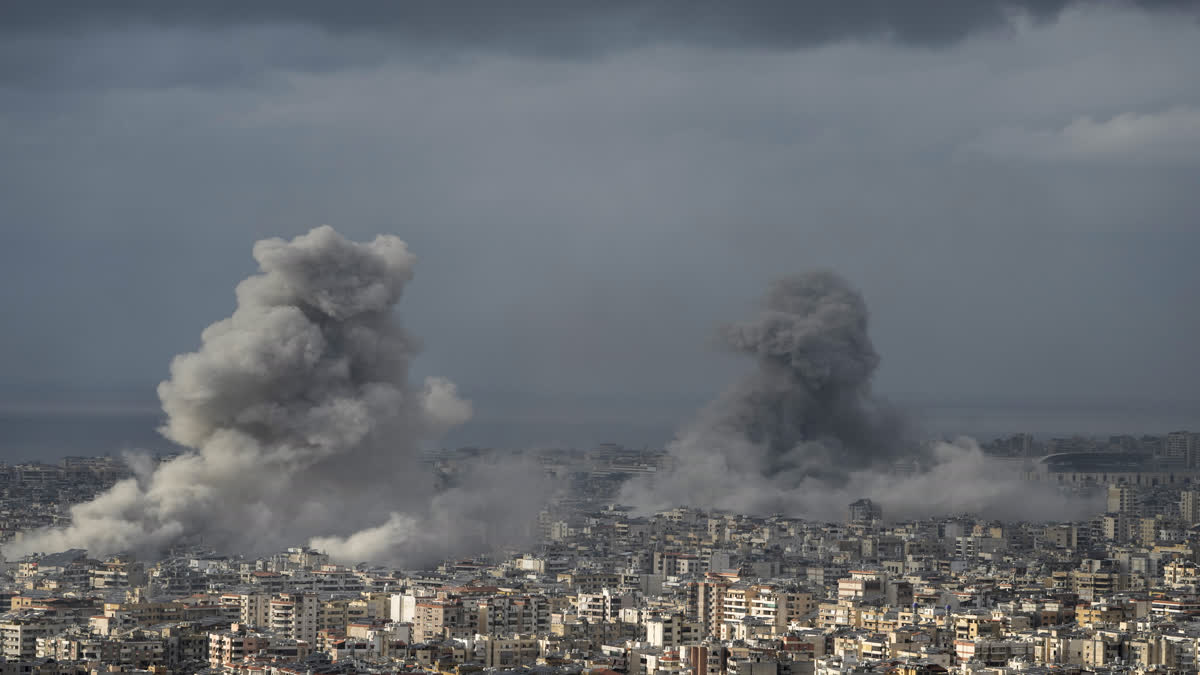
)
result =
(301, 424)
(808, 405)
(802, 434)
(806, 411)
(572, 26)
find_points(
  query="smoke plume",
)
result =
(300, 421)
(803, 434)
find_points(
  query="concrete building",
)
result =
(19, 633)
(1122, 499)
(865, 511)
(295, 615)
(673, 630)
(603, 606)
(510, 652)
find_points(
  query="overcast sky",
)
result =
(591, 187)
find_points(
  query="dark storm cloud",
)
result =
(554, 25)
(90, 45)
(584, 213)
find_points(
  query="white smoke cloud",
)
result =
(372, 542)
(300, 421)
(491, 505)
(957, 478)
(442, 406)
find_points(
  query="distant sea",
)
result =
(1048, 420)
(48, 435)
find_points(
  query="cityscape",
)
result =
(599, 337)
(597, 588)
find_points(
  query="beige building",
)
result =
(673, 630)
(294, 615)
(510, 652)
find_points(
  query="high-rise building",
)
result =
(706, 602)
(294, 615)
(1122, 499)
(254, 609)
(865, 511)
(1189, 506)
(1182, 448)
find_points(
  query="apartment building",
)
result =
(295, 615)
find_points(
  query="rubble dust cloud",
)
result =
(301, 425)
(803, 434)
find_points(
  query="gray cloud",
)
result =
(1170, 137)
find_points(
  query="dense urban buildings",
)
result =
(680, 592)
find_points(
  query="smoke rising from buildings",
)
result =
(301, 424)
(803, 434)
(302, 427)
